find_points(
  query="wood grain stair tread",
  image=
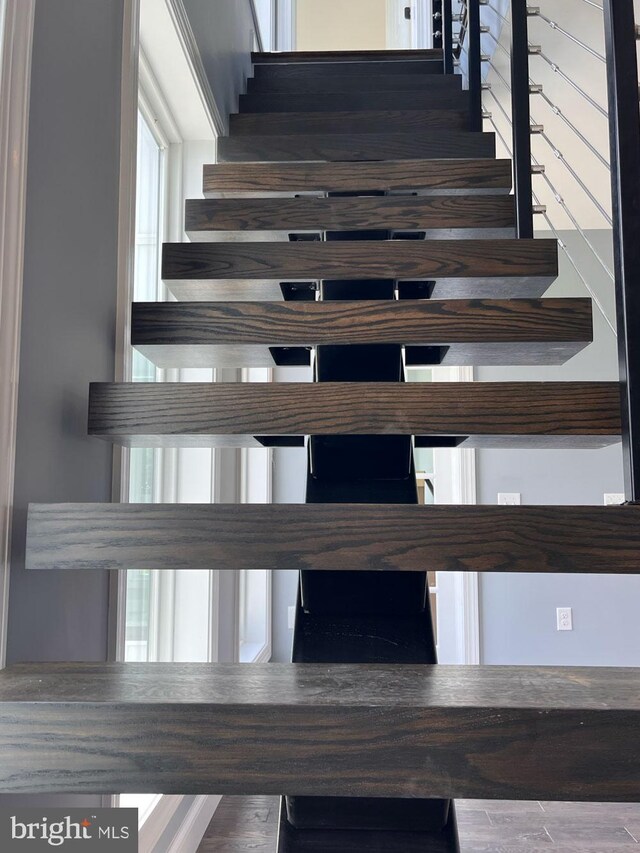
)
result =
(571, 414)
(275, 102)
(346, 121)
(338, 68)
(457, 268)
(468, 214)
(199, 334)
(347, 147)
(373, 81)
(270, 57)
(549, 539)
(430, 176)
(299, 729)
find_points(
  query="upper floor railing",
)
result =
(566, 61)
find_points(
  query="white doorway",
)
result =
(448, 476)
(409, 24)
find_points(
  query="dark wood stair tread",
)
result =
(529, 414)
(338, 68)
(528, 732)
(456, 268)
(232, 334)
(372, 81)
(270, 57)
(347, 147)
(346, 121)
(275, 102)
(363, 537)
(432, 176)
(468, 215)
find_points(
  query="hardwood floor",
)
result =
(243, 824)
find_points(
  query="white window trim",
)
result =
(285, 25)
(16, 32)
(422, 27)
(255, 652)
(455, 483)
(158, 819)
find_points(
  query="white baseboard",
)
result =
(189, 834)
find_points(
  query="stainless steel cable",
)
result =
(556, 68)
(498, 42)
(561, 242)
(500, 106)
(595, 5)
(560, 156)
(574, 221)
(557, 111)
(565, 249)
(567, 34)
(495, 12)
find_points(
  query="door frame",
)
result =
(421, 22)
(458, 592)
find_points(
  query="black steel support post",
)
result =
(436, 24)
(624, 135)
(521, 116)
(447, 36)
(474, 58)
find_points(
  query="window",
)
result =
(448, 475)
(151, 170)
(424, 461)
(254, 586)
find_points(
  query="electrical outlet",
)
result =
(564, 618)
(613, 498)
(509, 499)
(291, 618)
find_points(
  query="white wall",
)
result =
(69, 312)
(518, 611)
(336, 25)
(223, 30)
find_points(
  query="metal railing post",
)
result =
(624, 136)
(521, 115)
(474, 56)
(447, 36)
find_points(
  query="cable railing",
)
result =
(487, 42)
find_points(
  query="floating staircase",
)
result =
(355, 223)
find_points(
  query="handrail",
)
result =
(624, 135)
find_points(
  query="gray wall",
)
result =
(518, 612)
(68, 312)
(223, 30)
